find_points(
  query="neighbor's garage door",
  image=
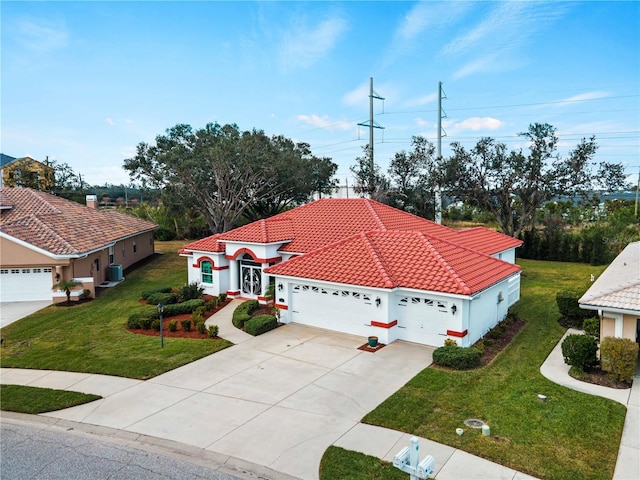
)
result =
(340, 310)
(25, 284)
(422, 320)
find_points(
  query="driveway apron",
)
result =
(278, 400)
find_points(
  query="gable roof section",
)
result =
(62, 227)
(208, 244)
(484, 240)
(619, 285)
(390, 259)
(6, 159)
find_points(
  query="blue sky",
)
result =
(85, 82)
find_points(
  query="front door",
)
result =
(251, 277)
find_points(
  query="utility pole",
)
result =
(438, 194)
(371, 124)
(637, 190)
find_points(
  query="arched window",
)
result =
(206, 272)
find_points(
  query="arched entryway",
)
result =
(250, 277)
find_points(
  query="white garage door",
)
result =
(25, 284)
(422, 320)
(340, 310)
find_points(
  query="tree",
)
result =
(513, 185)
(369, 180)
(414, 178)
(66, 285)
(220, 171)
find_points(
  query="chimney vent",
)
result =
(92, 201)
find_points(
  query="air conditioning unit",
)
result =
(115, 273)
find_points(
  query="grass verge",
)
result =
(22, 399)
(340, 464)
(572, 435)
(91, 337)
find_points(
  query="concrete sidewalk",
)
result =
(628, 463)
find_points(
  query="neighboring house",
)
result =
(26, 172)
(44, 238)
(361, 267)
(616, 296)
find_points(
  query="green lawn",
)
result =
(18, 398)
(572, 435)
(91, 337)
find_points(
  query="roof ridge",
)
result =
(440, 258)
(376, 217)
(374, 255)
(263, 230)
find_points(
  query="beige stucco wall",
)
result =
(15, 255)
(123, 251)
(608, 327)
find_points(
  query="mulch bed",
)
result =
(492, 347)
(179, 333)
(598, 377)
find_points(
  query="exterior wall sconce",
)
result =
(57, 277)
(280, 287)
(500, 297)
(454, 309)
(378, 301)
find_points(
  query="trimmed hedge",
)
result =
(260, 324)
(591, 326)
(619, 357)
(580, 351)
(243, 312)
(164, 298)
(191, 291)
(458, 358)
(181, 308)
(142, 319)
(147, 293)
(567, 302)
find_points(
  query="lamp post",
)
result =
(160, 312)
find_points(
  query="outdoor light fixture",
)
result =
(160, 312)
(279, 286)
(378, 301)
(454, 309)
(57, 277)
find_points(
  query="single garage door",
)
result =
(25, 284)
(422, 320)
(340, 310)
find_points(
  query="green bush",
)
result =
(243, 312)
(458, 358)
(164, 298)
(222, 297)
(147, 293)
(619, 357)
(186, 325)
(260, 324)
(567, 302)
(196, 317)
(200, 328)
(213, 331)
(173, 325)
(156, 324)
(191, 291)
(450, 342)
(211, 304)
(86, 294)
(580, 351)
(182, 308)
(591, 326)
(479, 345)
(133, 321)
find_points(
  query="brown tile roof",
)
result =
(60, 226)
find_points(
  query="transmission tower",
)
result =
(371, 124)
(441, 115)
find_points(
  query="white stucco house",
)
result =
(360, 267)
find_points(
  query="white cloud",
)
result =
(478, 123)
(585, 97)
(109, 122)
(128, 121)
(496, 38)
(424, 100)
(41, 36)
(302, 45)
(323, 122)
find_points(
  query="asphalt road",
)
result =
(30, 452)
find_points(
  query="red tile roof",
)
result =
(389, 259)
(63, 227)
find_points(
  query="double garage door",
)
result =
(25, 284)
(420, 320)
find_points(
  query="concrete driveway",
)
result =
(13, 311)
(277, 400)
